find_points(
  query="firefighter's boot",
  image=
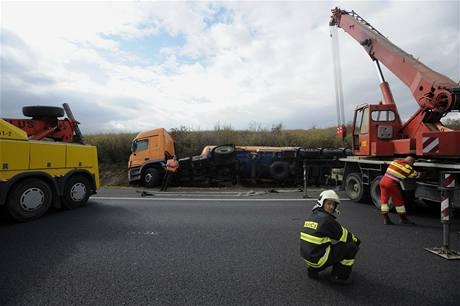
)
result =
(340, 281)
(405, 220)
(387, 220)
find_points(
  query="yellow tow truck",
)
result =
(44, 163)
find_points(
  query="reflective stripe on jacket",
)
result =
(172, 165)
(319, 232)
(399, 170)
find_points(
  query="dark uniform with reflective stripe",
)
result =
(324, 242)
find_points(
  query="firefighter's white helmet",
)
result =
(327, 195)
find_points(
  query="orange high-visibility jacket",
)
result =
(399, 170)
(172, 165)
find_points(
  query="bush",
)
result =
(453, 124)
(111, 148)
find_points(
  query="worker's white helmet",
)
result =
(327, 195)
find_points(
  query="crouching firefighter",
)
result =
(324, 242)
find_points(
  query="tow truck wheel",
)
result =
(29, 199)
(355, 189)
(151, 178)
(42, 111)
(76, 192)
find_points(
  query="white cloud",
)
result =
(264, 62)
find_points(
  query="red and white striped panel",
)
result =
(449, 182)
(430, 145)
(445, 209)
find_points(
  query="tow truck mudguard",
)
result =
(63, 180)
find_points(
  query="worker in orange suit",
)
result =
(172, 165)
(397, 171)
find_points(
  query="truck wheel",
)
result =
(151, 178)
(279, 170)
(355, 189)
(224, 150)
(76, 192)
(409, 200)
(223, 154)
(29, 199)
(43, 111)
(432, 204)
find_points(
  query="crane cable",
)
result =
(337, 77)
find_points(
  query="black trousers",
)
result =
(341, 258)
(166, 180)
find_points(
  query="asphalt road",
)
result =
(210, 248)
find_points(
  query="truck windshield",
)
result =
(139, 145)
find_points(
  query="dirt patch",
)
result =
(113, 174)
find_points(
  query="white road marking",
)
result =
(144, 233)
(205, 199)
(156, 192)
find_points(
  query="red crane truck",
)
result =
(379, 135)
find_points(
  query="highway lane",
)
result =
(214, 250)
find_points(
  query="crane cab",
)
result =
(376, 128)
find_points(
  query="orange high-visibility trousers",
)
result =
(390, 189)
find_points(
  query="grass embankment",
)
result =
(114, 149)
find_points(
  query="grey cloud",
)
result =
(95, 72)
(92, 116)
(8, 37)
(10, 67)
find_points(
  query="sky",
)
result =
(132, 66)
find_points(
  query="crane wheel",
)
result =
(375, 193)
(355, 189)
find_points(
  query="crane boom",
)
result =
(430, 89)
(377, 128)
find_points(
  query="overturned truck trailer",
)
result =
(261, 165)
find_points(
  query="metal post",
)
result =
(253, 168)
(445, 217)
(447, 200)
(305, 179)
